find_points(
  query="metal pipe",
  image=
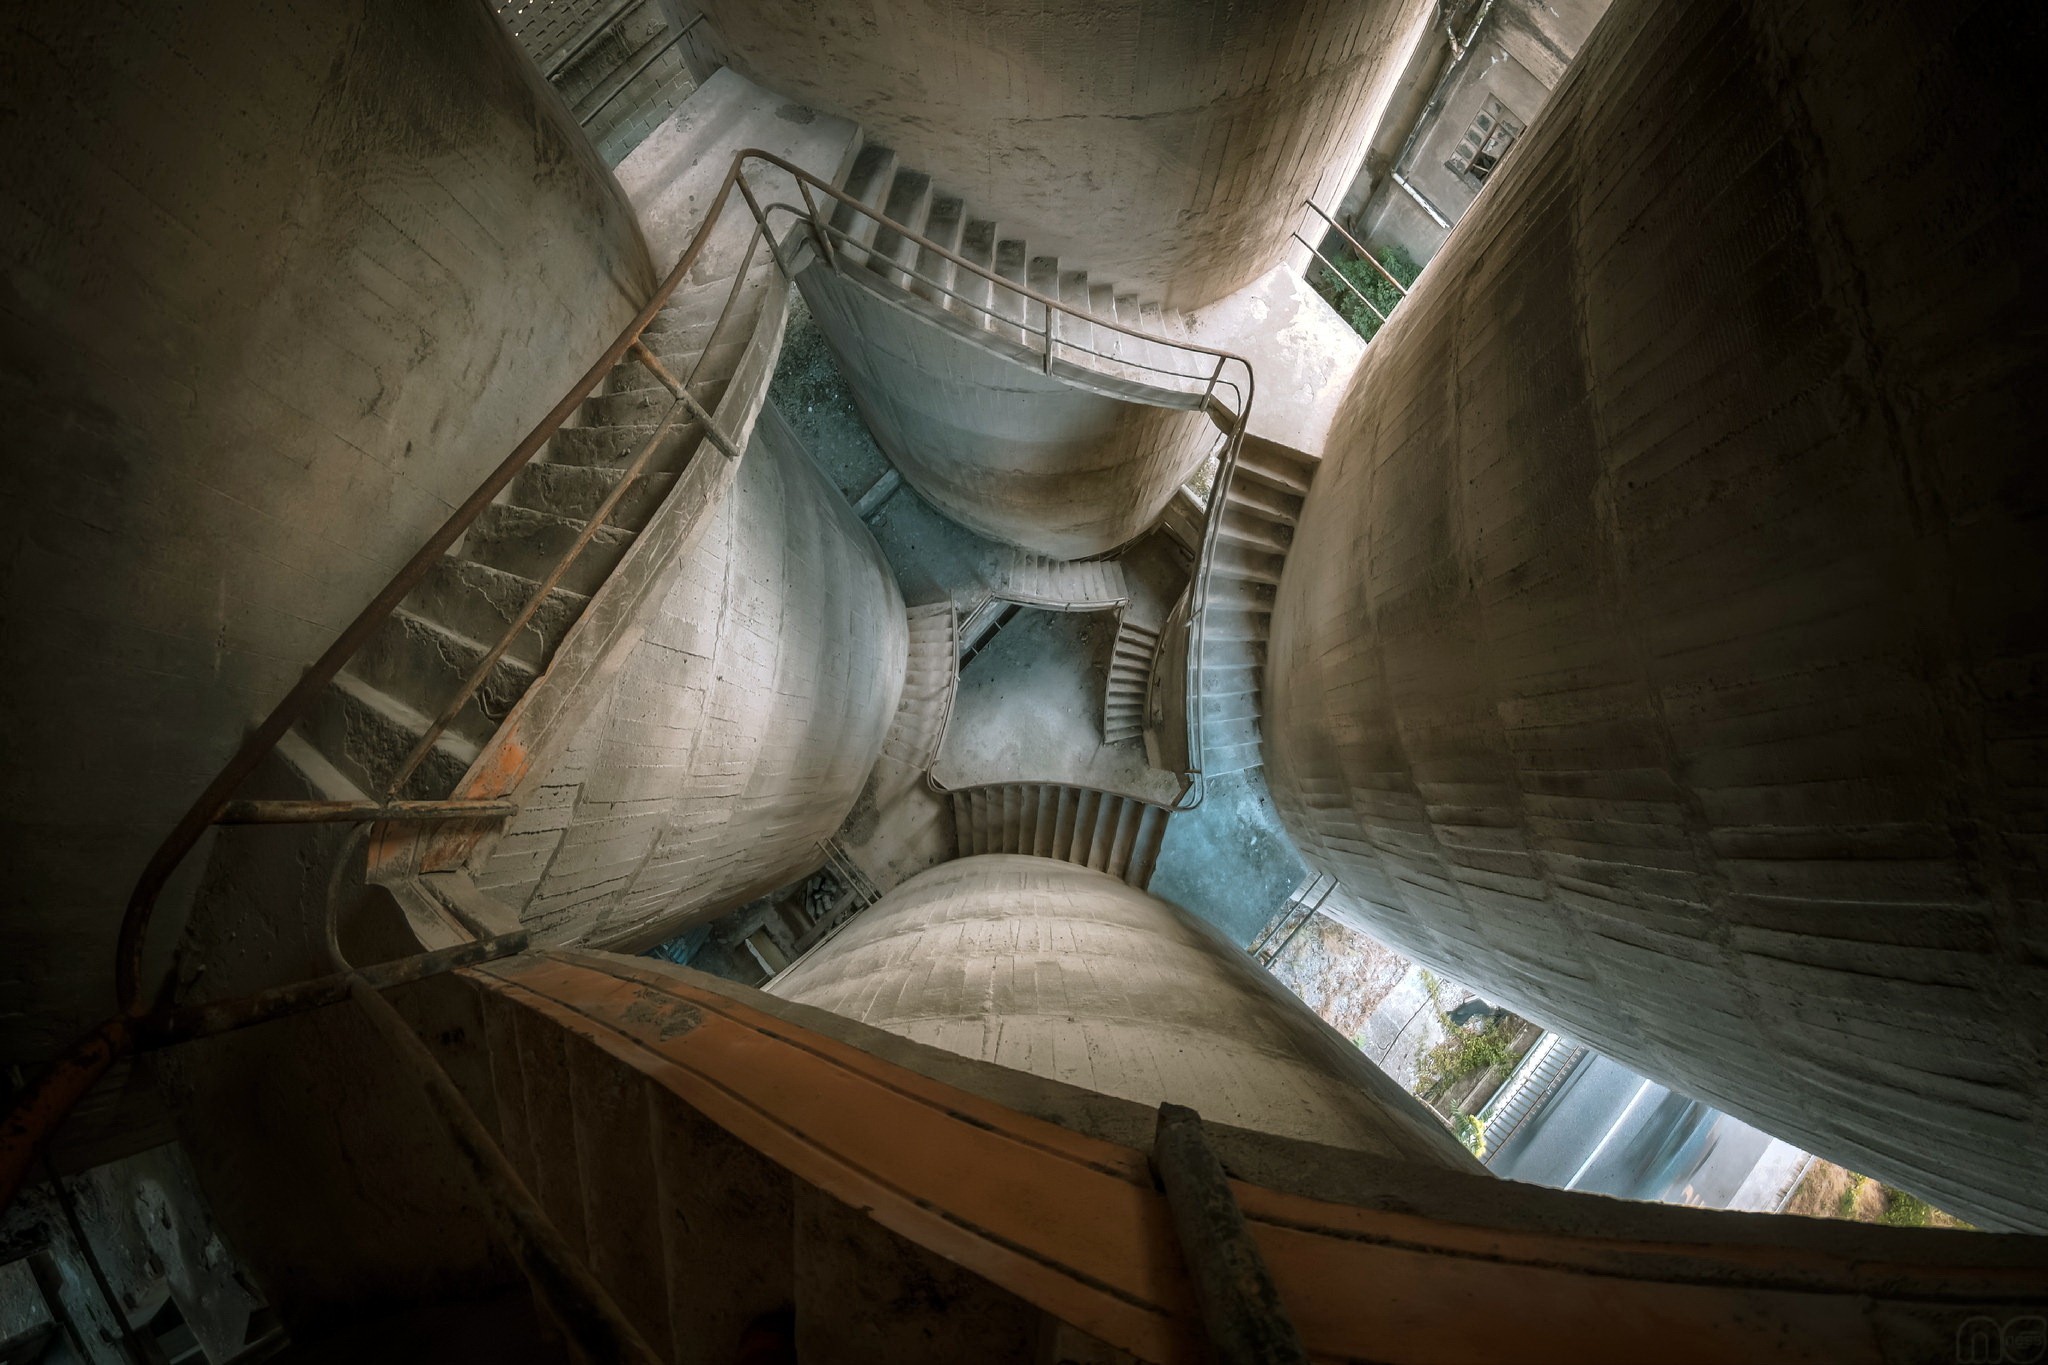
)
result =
(190, 1022)
(586, 1311)
(686, 398)
(352, 812)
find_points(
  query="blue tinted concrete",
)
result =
(1228, 860)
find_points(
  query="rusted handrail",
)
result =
(1356, 246)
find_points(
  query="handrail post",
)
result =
(1051, 315)
(819, 231)
(1342, 278)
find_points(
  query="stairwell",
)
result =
(1120, 835)
(1261, 505)
(928, 683)
(906, 195)
(1130, 679)
(383, 704)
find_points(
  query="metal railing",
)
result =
(59, 1089)
(1363, 254)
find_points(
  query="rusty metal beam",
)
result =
(359, 812)
(204, 1021)
(1241, 1310)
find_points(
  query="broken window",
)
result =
(1485, 143)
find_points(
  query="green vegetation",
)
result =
(1845, 1206)
(1902, 1210)
(1471, 1131)
(1369, 282)
(1464, 1052)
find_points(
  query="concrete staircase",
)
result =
(1261, 506)
(1120, 835)
(928, 682)
(909, 196)
(1130, 679)
(1036, 580)
(375, 712)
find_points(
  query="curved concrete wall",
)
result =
(1662, 647)
(1163, 145)
(1013, 454)
(739, 730)
(281, 284)
(1071, 974)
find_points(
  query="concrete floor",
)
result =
(1228, 860)
(1029, 708)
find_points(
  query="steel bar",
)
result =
(1246, 1322)
(1359, 247)
(190, 1022)
(350, 812)
(587, 1313)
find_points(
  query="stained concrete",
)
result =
(1063, 972)
(1164, 144)
(1229, 860)
(282, 285)
(1661, 648)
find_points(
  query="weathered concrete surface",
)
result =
(738, 730)
(281, 286)
(1067, 973)
(1302, 352)
(1029, 709)
(1661, 652)
(1007, 452)
(1164, 144)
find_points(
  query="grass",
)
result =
(1464, 1052)
(1369, 281)
(1831, 1191)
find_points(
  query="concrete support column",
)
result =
(1662, 647)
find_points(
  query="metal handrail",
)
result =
(1356, 246)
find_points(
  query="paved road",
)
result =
(1610, 1131)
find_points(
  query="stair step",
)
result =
(366, 733)
(1008, 304)
(1228, 706)
(1265, 499)
(1243, 526)
(1233, 560)
(609, 446)
(523, 541)
(1275, 472)
(1042, 274)
(909, 202)
(425, 665)
(972, 290)
(943, 226)
(1218, 762)
(1075, 331)
(479, 601)
(874, 170)
(577, 491)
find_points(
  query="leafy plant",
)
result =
(1470, 1130)
(1466, 1052)
(1902, 1210)
(1359, 272)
